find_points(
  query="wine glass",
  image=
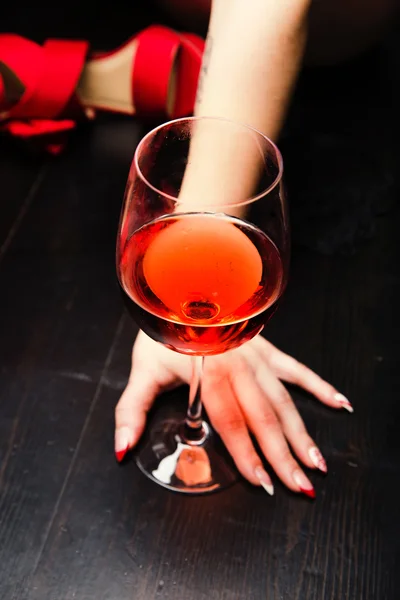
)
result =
(202, 260)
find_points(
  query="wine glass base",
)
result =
(166, 458)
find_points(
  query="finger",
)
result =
(227, 419)
(289, 369)
(265, 425)
(290, 419)
(171, 366)
(133, 406)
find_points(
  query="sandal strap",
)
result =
(49, 74)
(152, 67)
(63, 64)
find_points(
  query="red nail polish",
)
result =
(120, 454)
(310, 493)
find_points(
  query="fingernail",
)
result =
(122, 436)
(317, 459)
(265, 480)
(344, 402)
(304, 483)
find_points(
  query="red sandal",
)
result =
(45, 90)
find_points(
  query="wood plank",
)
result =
(17, 192)
(59, 310)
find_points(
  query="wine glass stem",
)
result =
(195, 431)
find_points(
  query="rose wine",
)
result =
(200, 283)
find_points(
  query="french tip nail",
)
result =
(120, 454)
(264, 480)
(269, 488)
(317, 459)
(123, 441)
(303, 483)
(344, 403)
(310, 493)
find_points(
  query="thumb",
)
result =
(132, 408)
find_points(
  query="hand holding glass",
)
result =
(202, 259)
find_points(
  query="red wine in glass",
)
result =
(201, 283)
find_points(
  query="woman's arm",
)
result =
(251, 61)
(252, 58)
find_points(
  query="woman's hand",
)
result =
(243, 394)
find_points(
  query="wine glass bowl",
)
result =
(202, 260)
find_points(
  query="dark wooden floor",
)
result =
(73, 524)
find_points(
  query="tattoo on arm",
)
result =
(204, 69)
